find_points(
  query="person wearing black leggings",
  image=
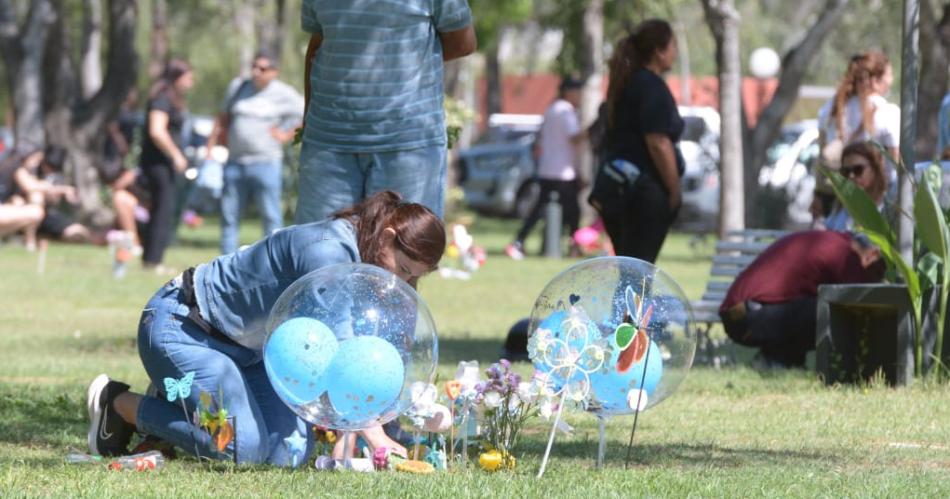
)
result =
(643, 127)
(162, 156)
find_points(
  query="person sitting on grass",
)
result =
(16, 214)
(773, 303)
(194, 322)
(34, 186)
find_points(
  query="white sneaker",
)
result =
(514, 252)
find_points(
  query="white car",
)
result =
(699, 146)
(789, 171)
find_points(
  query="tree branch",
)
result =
(90, 70)
(121, 67)
(794, 66)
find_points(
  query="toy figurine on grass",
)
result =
(210, 322)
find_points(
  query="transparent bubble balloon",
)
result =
(615, 334)
(346, 342)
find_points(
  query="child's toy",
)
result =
(463, 255)
(146, 461)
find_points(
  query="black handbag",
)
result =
(614, 180)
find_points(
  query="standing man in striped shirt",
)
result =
(374, 117)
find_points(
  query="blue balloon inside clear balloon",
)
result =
(611, 388)
(567, 337)
(297, 356)
(366, 376)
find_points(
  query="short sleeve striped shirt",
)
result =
(376, 82)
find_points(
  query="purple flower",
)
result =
(505, 364)
(513, 380)
(494, 372)
(481, 386)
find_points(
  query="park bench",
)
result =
(733, 255)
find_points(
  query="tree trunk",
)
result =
(794, 66)
(685, 73)
(270, 29)
(723, 21)
(91, 67)
(244, 22)
(158, 49)
(592, 59)
(23, 55)
(79, 124)
(934, 61)
(592, 70)
(493, 79)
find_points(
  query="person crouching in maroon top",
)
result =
(772, 304)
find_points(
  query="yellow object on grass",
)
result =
(413, 466)
(495, 460)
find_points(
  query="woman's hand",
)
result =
(375, 437)
(179, 161)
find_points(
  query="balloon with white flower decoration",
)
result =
(612, 335)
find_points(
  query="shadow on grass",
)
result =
(484, 350)
(35, 417)
(676, 454)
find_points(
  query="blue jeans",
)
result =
(261, 180)
(170, 346)
(330, 181)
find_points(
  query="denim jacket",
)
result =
(235, 292)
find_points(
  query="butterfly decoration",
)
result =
(630, 335)
(216, 422)
(179, 388)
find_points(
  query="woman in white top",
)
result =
(859, 111)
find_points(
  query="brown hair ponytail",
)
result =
(420, 234)
(632, 53)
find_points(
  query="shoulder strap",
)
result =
(237, 92)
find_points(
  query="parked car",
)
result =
(699, 145)
(789, 171)
(497, 174)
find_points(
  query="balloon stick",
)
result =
(636, 409)
(415, 449)
(347, 451)
(465, 433)
(602, 446)
(557, 419)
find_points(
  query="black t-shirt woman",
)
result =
(643, 160)
(162, 156)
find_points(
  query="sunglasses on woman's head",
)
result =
(853, 170)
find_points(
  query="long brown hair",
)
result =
(631, 54)
(175, 68)
(419, 232)
(858, 81)
(872, 154)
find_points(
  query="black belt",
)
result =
(194, 313)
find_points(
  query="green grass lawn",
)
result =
(733, 432)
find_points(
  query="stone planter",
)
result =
(867, 329)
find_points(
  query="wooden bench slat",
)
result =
(739, 260)
(718, 285)
(733, 255)
(741, 247)
(725, 271)
(757, 233)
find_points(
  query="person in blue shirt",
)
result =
(374, 113)
(211, 321)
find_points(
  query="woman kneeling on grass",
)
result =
(197, 322)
